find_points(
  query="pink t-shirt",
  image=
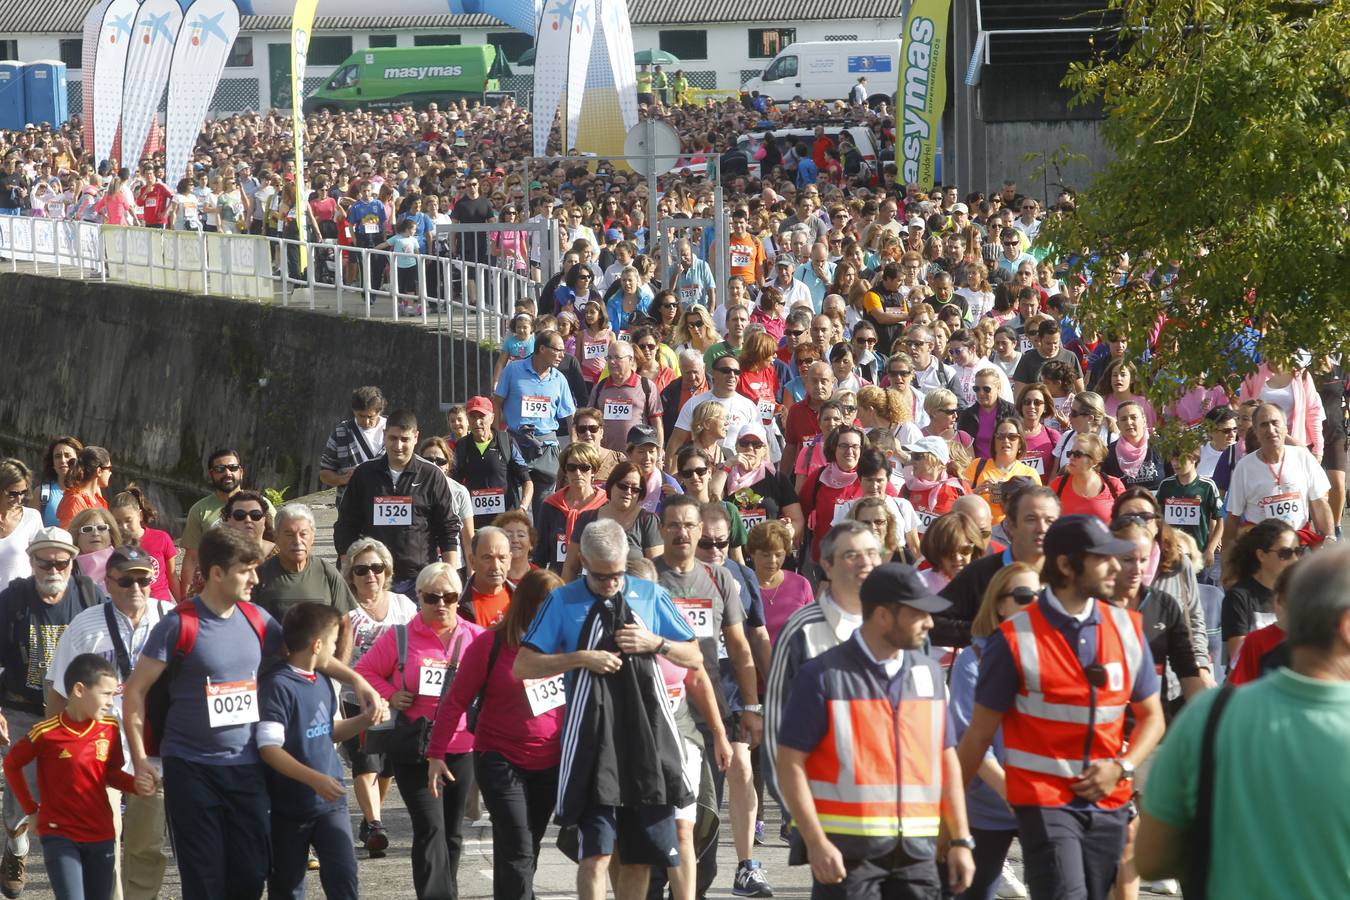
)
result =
(160, 547)
(781, 602)
(1040, 450)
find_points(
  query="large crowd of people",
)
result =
(885, 536)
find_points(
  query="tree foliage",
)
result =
(1230, 125)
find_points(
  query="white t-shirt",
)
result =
(14, 562)
(1254, 495)
(366, 629)
(901, 508)
(1209, 460)
(1281, 397)
(740, 411)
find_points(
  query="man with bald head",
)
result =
(803, 417)
(1279, 481)
(976, 508)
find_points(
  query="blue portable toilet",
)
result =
(12, 103)
(44, 83)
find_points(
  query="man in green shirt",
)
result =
(1279, 824)
(225, 473)
(295, 575)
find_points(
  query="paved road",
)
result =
(390, 878)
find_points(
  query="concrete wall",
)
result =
(161, 379)
(1007, 143)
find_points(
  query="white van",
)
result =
(827, 70)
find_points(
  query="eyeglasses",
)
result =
(900, 373)
(221, 469)
(363, 570)
(1012, 244)
(588, 429)
(449, 599)
(94, 529)
(849, 410)
(240, 515)
(915, 343)
(701, 472)
(579, 467)
(144, 581)
(436, 460)
(1021, 595)
(1081, 412)
(1287, 553)
(710, 544)
(48, 565)
(16, 495)
(628, 487)
(726, 370)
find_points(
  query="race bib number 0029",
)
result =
(392, 511)
(232, 702)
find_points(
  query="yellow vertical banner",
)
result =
(922, 91)
(302, 23)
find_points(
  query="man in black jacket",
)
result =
(1029, 513)
(402, 500)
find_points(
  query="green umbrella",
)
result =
(655, 58)
(526, 58)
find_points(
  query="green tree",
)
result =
(1226, 201)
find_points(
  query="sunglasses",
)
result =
(867, 341)
(648, 348)
(726, 370)
(144, 581)
(796, 332)
(94, 529)
(579, 467)
(449, 599)
(436, 460)
(364, 569)
(16, 495)
(1008, 436)
(47, 565)
(900, 373)
(750, 443)
(222, 469)
(628, 487)
(983, 389)
(240, 515)
(701, 472)
(588, 429)
(710, 544)
(1287, 553)
(1139, 517)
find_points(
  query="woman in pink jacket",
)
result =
(1293, 391)
(436, 643)
(516, 749)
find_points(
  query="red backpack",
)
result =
(157, 698)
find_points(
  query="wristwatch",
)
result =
(756, 708)
(1126, 768)
(967, 842)
(664, 649)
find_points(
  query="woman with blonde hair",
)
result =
(696, 329)
(96, 535)
(877, 514)
(942, 406)
(1086, 415)
(1081, 487)
(578, 468)
(885, 410)
(708, 429)
(1013, 588)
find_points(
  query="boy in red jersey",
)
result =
(79, 755)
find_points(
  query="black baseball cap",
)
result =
(899, 583)
(130, 559)
(642, 434)
(1082, 534)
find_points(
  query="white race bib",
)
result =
(1035, 463)
(392, 511)
(925, 518)
(752, 517)
(140, 210)
(740, 260)
(545, 694)
(596, 349)
(562, 548)
(766, 410)
(1287, 507)
(431, 676)
(232, 702)
(923, 680)
(1024, 344)
(371, 228)
(674, 694)
(489, 501)
(698, 613)
(1181, 511)
(688, 293)
(536, 407)
(618, 410)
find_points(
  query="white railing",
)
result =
(472, 299)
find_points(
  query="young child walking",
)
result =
(79, 756)
(296, 737)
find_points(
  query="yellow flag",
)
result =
(302, 23)
(922, 90)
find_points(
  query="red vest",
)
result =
(1046, 732)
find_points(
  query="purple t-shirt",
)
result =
(781, 602)
(984, 437)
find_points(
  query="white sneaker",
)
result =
(1166, 886)
(1010, 887)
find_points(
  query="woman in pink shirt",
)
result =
(516, 748)
(436, 642)
(115, 206)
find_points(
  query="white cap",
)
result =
(930, 444)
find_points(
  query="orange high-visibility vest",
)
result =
(1045, 733)
(876, 776)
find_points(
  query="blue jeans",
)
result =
(79, 871)
(330, 833)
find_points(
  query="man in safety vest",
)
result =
(867, 757)
(1058, 677)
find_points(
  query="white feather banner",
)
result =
(110, 63)
(551, 57)
(204, 41)
(147, 70)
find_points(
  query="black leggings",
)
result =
(437, 824)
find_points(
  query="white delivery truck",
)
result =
(827, 70)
